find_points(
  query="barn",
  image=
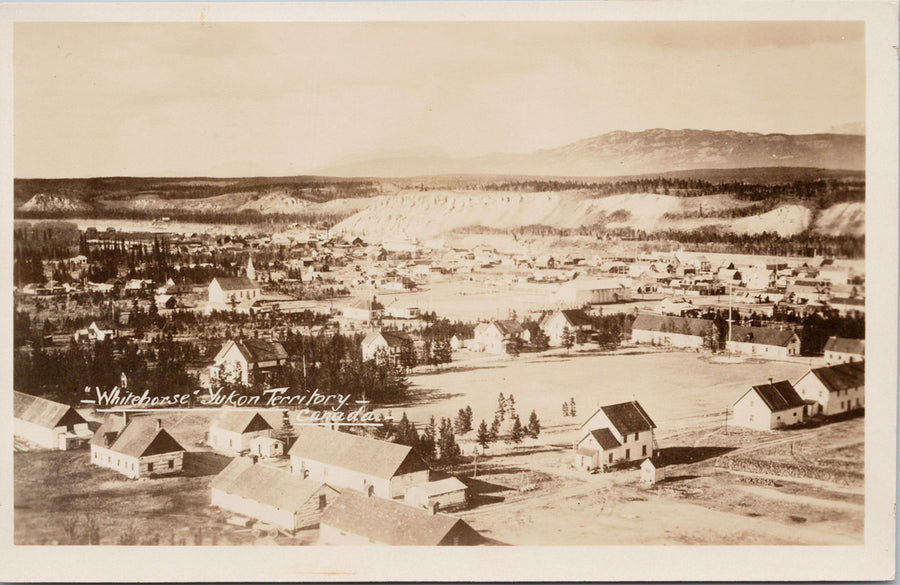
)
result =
(357, 519)
(270, 495)
(839, 350)
(673, 331)
(136, 448)
(345, 460)
(764, 342)
(48, 424)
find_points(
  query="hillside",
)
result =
(426, 214)
(49, 203)
(633, 153)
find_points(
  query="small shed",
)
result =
(266, 447)
(445, 495)
(652, 471)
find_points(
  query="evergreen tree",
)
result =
(567, 338)
(495, 429)
(449, 450)
(539, 340)
(571, 407)
(483, 436)
(534, 425)
(463, 422)
(501, 407)
(428, 442)
(565, 409)
(511, 406)
(516, 433)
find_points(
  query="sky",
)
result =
(265, 99)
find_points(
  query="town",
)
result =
(311, 386)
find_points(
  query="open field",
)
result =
(672, 386)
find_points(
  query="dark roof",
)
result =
(778, 396)
(628, 417)
(508, 327)
(360, 454)
(672, 324)
(242, 421)
(140, 437)
(393, 523)
(43, 412)
(848, 301)
(576, 317)
(846, 345)
(267, 485)
(235, 283)
(605, 438)
(842, 376)
(393, 338)
(260, 350)
(761, 335)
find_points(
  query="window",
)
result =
(644, 451)
(795, 414)
(624, 438)
(610, 457)
(171, 464)
(636, 435)
(627, 454)
(323, 501)
(149, 468)
(842, 404)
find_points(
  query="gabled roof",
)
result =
(508, 327)
(392, 338)
(672, 324)
(846, 345)
(361, 454)
(266, 485)
(777, 396)
(366, 304)
(140, 437)
(761, 335)
(628, 417)
(241, 421)
(255, 350)
(605, 438)
(841, 376)
(574, 317)
(393, 523)
(235, 283)
(43, 412)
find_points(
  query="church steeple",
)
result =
(251, 272)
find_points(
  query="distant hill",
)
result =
(636, 153)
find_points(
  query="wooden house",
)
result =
(48, 424)
(233, 431)
(840, 350)
(390, 343)
(240, 360)
(834, 389)
(494, 337)
(613, 434)
(769, 406)
(357, 519)
(445, 495)
(673, 331)
(764, 342)
(575, 320)
(270, 495)
(364, 310)
(345, 460)
(137, 448)
(589, 291)
(227, 293)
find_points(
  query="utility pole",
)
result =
(730, 310)
(726, 420)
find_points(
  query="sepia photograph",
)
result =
(360, 276)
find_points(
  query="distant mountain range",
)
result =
(634, 153)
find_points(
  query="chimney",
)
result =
(770, 381)
(254, 459)
(370, 490)
(124, 419)
(158, 424)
